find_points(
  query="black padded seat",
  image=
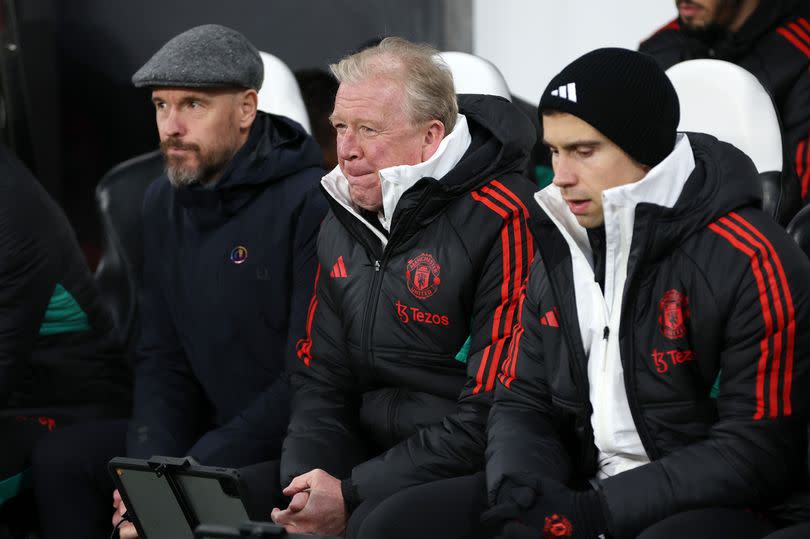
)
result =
(119, 196)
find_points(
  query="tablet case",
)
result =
(167, 498)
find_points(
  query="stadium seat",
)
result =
(799, 229)
(280, 93)
(727, 101)
(119, 195)
(474, 75)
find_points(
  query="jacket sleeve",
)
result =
(455, 446)
(324, 430)
(754, 453)
(795, 117)
(267, 417)
(27, 280)
(522, 440)
(170, 411)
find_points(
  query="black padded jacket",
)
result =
(386, 393)
(56, 341)
(714, 339)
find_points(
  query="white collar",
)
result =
(396, 180)
(662, 185)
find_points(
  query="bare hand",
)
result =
(317, 505)
(127, 529)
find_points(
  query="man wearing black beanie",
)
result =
(657, 383)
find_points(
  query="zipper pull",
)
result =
(377, 267)
(605, 349)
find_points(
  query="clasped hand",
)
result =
(316, 507)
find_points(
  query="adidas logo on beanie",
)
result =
(625, 95)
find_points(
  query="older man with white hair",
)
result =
(422, 259)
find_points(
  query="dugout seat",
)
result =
(119, 195)
(727, 101)
(475, 75)
(280, 93)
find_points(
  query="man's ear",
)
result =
(434, 134)
(248, 105)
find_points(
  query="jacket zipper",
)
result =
(371, 310)
(376, 282)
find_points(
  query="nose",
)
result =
(347, 145)
(171, 124)
(564, 175)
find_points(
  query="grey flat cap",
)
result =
(208, 56)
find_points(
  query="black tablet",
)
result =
(151, 502)
(213, 495)
(168, 497)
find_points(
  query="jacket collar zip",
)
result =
(397, 180)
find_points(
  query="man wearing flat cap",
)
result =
(229, 258)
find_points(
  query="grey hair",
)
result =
(428, 82)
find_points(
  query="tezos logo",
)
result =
(422, 275)
(407, 313)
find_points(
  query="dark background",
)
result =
(71, 113)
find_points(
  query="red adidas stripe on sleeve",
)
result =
(779, 327)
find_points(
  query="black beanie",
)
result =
(624, 95)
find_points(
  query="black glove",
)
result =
(550, 508)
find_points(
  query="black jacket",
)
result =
(385, 395)
(716, 292)
(227, 277)
(56, 346)
(774, 45)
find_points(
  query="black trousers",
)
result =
(451, 508)
(72, 486)
(21, 429)
(447, 509)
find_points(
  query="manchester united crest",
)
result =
(673, 311)
(422, 275)
(557, 526)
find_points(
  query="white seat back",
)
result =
(280, 93)
(727, 101)
(474, 75)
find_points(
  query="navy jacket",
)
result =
(228, 274)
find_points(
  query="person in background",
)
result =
(318, 89)
(769, 38)
(59, 362)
